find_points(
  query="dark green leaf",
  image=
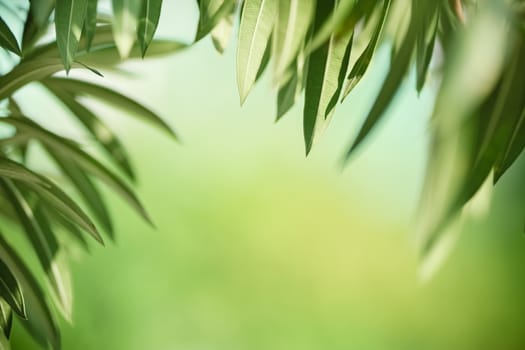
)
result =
(10, 290)
(6, 321)
(7, 39)
(37, 21)
(148, 21)
(90, 24)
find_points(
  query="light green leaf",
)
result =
(222, 32)
(100, 131)
(111, 97)
(211, 12)
(125, 20)
(7, 39)
(90, 25)
(49, 192)
(69, 20)
(37, 21)
(10, 290)
(4, 342)
(6, 322)
(254, 33)
(325, 76)
(362, 63)
(83, 159)
(40, 322)
(148, 21)
(290, 30)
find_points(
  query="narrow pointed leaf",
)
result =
(148, 21)
(7, 39)
(362, 63)
(211, 12)
(4, 342)
(111, 97)
(254, 33)
(6, 320)
(10, 290)
(222, 33)
(83, 159)
(293, 20)
(40, 322)
(100, 131)
(37, 21)
(69, 19)
(90, 25)
(49, 192)
(125, 20)
(326, 73)
(425, 43)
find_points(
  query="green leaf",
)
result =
(287, 95)
(49, 192)
(148, 21)
(100, 131)
(398, 69)
(40, 322)
(513, 149)
(222, 32)
(7, 39)
(69, 20)
(10, 290)
(254, 33)
(211, 12)
(90, 24)
(125, 20)
(4, 342)
(44, 243)
(361, 65)
(326, 72)
(83, 159)
(290, 30)
(425, 42)
(111, 97)
(37, 21)
(87, 190)
(6, 322)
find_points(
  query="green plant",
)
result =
(318, 48)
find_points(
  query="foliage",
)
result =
(319, 50)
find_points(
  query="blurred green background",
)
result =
(257, 247)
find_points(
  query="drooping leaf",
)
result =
(362, 63)
(90, 24)
(101, 132)
(125, 20)
(4, 342)
(148, 21)
(6, 321)
(40, 322)
(293, 20)
(48, 192)
(221, 34)
(254, 33)
(8, 39)
(10, 290)
(425, 42)
(325, 76)
(69, 20)
(83, 159)
(211, 12)
(37, 21)
(111, 97)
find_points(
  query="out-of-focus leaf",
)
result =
(211, 12)
(101, 132)
(6, 321)
(69, 20)
(425, 43)
(513, 149)
(15, 110)
(10, 290)
(37, 21)
(49, 192)
(90, 24)
(254, 33)
(83, 159)
(44, 243)
(287, 95)
(40, 322)
(7, 39)
(111, 97)
(362, 63)
(221, 34)
(4, 342)
(125, 20)
(87, 190)
(398, 69)
(148, 21)
(291, 27)
(326, 73)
